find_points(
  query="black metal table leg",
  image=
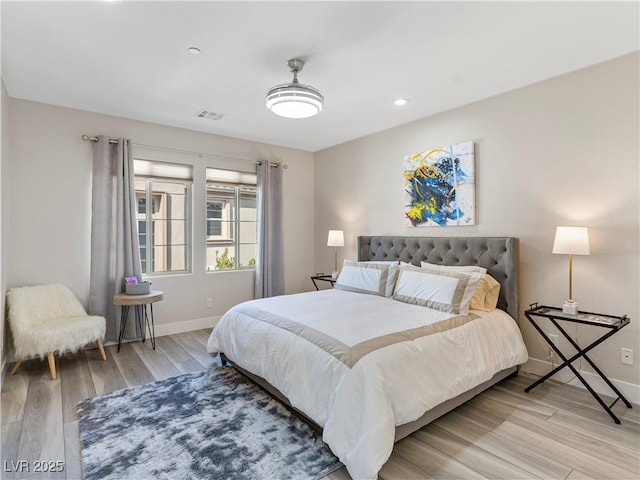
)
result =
(151, 326)
(124, 313)
(580, 353)
(140, 320)
(144, 323)
(568, 363)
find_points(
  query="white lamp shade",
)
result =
(335, 238)
(571, 241)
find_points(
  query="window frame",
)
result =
(234, 241)
(232, 202)
(149, 194)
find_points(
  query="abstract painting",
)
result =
(440, 187)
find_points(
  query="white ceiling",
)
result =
(130, 59)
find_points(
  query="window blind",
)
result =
(154, 169)
(218, 175)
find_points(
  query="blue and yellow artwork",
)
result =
(440, 187)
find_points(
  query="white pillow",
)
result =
(439, 289)
(458, 268)
(376, 278)
(485, 296)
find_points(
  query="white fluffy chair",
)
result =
(49, 318)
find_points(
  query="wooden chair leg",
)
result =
(16, 367)
(101, 348)
(52, 366)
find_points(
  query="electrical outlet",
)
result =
(626, 356)
(209, 302)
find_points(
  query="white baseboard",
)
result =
(186, 326)
(541, 367)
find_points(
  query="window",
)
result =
(231, 219)
(163, 193)
(214, 218)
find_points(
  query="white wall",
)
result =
(4, 161)
(50, 208)
(561, 152)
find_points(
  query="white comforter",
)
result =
(359, 395)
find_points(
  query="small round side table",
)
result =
(139, 302)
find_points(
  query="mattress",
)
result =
(359, 365)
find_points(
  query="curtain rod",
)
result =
(87, 138)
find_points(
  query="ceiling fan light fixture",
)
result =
(294, 100)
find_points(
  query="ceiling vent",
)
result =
(209, 115)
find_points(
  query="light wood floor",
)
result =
(555, 432)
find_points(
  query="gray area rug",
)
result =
(214, 424)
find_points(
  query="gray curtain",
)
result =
(115, 251)
(270, 261)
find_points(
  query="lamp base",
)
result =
(570, 307)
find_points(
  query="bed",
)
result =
(370, 369)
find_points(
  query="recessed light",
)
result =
(194, 50)
(400, 102)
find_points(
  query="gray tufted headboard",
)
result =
(499, 255)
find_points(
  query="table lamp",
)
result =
(335, 240)
(571, 241)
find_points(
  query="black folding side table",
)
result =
(323, 278)
(611, 323)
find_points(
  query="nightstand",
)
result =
(321, 277)
(139, 303)
(610, 323)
